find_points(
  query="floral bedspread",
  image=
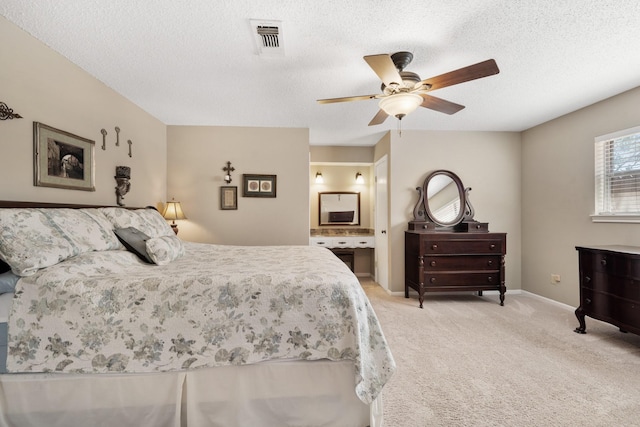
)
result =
(107, 311)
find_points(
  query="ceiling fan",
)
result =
(403, 91)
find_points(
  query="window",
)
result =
(617, 174)
(449, 211)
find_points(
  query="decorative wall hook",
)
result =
(228, 169)
(7, 113)
(104, 138)
(117, 136)
(129, 142)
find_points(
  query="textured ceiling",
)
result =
(195, 62)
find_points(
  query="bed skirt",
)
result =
(276, 393)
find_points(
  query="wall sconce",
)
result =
(228, 169)
(173, 211)
(319, 178)
(123, 184)
(359, 178)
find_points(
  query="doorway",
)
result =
(382, 223)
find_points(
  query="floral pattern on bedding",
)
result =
(28, 242)
(216, 305)
(34, 238)
(147, 220)
(162, 250)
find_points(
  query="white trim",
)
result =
(618, 134)
(561, 304)
(616, 218)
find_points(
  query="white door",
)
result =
(382, 223)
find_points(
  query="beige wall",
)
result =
(488, 162)
(197, 155)
(558, 195)
(43, 86)
(341, 154)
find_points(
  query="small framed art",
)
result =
(258, 185)
(62, 160)
(228, 198)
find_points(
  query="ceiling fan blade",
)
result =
(440, 105)
(472, 72)
(346, 99)
(378, 118)
(384, 67)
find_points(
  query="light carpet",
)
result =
(464, 360)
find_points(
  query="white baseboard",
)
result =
(561, 304)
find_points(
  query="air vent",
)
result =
(268, 36)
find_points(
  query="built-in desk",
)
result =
(343, 241)
(344, 244)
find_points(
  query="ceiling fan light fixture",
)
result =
(401, 104)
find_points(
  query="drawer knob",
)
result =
(587, 279)
(478, 226)
(587, 300)
(490, 279)
(434, 247)
(342, 243)
(489, 262)
(603, 262)
(433, 263)
(432, 280)
(492, 246)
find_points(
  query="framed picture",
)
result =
(62, 160)
(258, 185)
(228, 198)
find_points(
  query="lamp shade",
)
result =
(401, 104)
(173, 211)
(319, 178)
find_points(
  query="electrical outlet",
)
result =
(555, 278)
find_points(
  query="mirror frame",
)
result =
(461, 194)
(356, 219)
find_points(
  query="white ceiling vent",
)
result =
(268, 37)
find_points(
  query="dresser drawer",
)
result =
(364, 241)
(461, 247)
(470, 279)
(623, 287)
(610, 308)
(461, 263)
(321, 241)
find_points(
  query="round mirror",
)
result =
(444, 200)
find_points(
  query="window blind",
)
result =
(448, 212)
(617, 173)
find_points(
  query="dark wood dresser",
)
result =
(439, 261)
(610, 286)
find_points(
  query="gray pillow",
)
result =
(135, 241)
(8, 282)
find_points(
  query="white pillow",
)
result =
(86, 229)
(30, 241)
(162, 250)
(148, 220)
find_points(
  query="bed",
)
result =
(113, 319)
